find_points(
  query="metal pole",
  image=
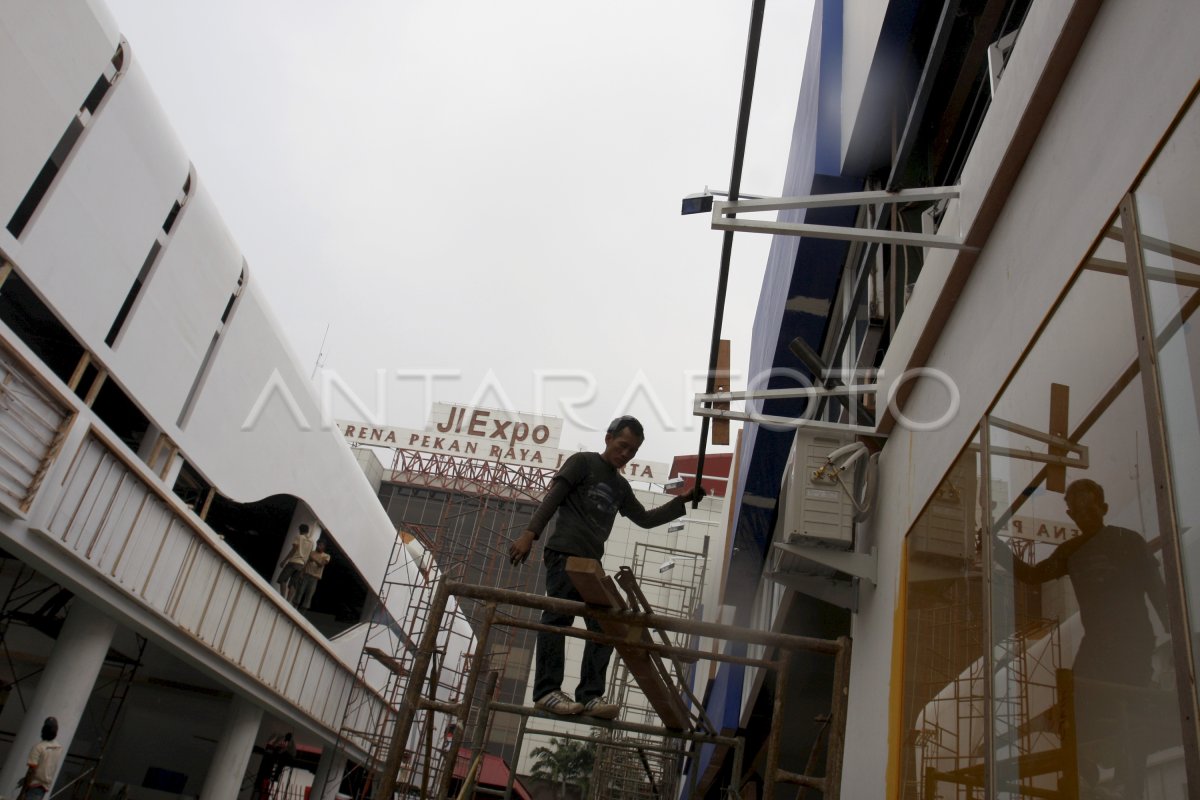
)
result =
(512, 769)
(492, 596)
(693, 772)
(774, 741)
(672, 749)
(480, 736)
(736, 779)
(649, 647)
(711, 630)
(1164, 489)
(648, 770)
(433, 687)
(627, 727)
(735, 186)
(468, 697)
(989, 564)
(835, 748)
(412, 692)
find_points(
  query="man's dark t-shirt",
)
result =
(588, 493)
(1112, 573)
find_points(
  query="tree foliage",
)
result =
(565, 761)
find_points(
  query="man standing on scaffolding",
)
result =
(584, 498)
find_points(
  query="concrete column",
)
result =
(329, 774)
(173, 473)
(146, 449)
(146, 446)
(228, 765)
(64, 686)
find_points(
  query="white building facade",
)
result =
(147, 392)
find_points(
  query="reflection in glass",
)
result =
(1167, 200)
(1083, 698)
(1039, 657)
(944, 633)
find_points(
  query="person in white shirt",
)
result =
(44, 760)
(293, 563)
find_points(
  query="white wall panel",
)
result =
(279, 655)
(178, 310)
(88, 239)
(195, 604)
(329, 690)
(103, 509)
(336, 696)
(291, 657)
(1085, 158)
(309, 692)
(280, 453)
(1070, 185)
(50, 57)
(81, 251)
(32, 422)
(258, 628)
(216, 616)
(241, 611)
(298, 675)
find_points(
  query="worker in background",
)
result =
(584, 499)
(314, 568)
(293, 563)
(1116, 580)
(44, 760)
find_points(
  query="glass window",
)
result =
(943, 647)
(1040, 660)
(1167, 201)
(1083, 691)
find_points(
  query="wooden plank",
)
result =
(1056, 474)
(720, 426)
(383, 658)
(598, 589)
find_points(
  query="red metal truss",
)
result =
(469, 475)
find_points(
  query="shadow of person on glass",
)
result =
(1113, 573)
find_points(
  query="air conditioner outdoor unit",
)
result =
(815, 508)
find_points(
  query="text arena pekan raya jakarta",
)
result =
(507, 437)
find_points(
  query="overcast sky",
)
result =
(485, 189)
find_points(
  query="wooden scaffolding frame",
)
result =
(629, 631)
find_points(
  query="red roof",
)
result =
(493, 773)
(716, 473)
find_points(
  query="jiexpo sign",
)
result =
(491, 435)
(495, 426)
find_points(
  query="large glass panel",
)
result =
(1083, 691)
(943, 642)
(1168, 204)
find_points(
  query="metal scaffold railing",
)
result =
(628, 631)
(455, 519)
(386, 659)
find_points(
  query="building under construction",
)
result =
(466, 525)
(456, 514)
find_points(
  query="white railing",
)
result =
(33, 423)
(141, 539)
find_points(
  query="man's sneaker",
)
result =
(600, 708)
(557, 702)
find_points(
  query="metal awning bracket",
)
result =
(703, 407)
(1060, 443)
(725, 217)
(851, 564)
